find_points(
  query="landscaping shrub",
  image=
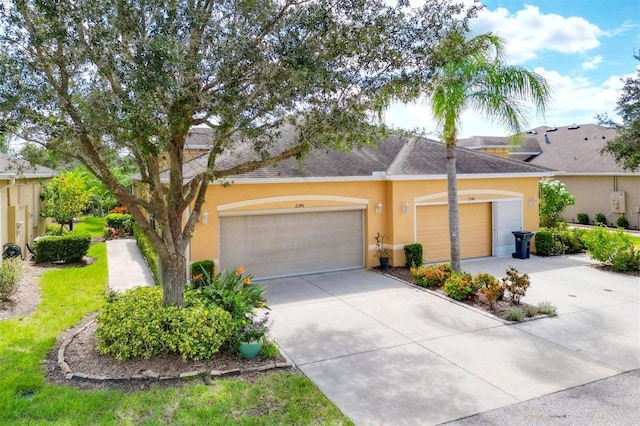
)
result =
(544, 242)
(68, 248)
(269, 350)
(460, 286)
(135, 325)
(530, 311)
(118, 224)
(490, 286)
(602, 244)
(431, 276)
(10, 274)
(119, 210)
(515, 314)
(583, 218)
(571, 239)
(516, 284)
(55, 229)
(413, 255)
(600, 219)
(202, 272)
(626, 260)
(547, 308)
(147, 251)
(622, 222)
(234, 292)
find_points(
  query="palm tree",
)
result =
(472, 73)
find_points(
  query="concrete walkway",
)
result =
(388, 353)
(127, 268)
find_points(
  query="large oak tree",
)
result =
(86, 76)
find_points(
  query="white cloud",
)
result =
(592, 63)
(529, 32)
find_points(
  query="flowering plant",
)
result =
(381, 252)
(253, 328)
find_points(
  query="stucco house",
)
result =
(20, 188)
(322, 214)
(597, 182)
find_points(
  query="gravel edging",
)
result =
(149, 375)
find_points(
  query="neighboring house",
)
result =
(322, 214)
(598, 183)
(20, 188)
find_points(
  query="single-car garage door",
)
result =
(432, 223)
(279, 245)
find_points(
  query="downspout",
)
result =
(2, 188)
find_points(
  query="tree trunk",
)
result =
(173, 275)
(454, 219)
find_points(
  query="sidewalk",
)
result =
(127, 268)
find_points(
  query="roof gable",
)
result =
(16, 167)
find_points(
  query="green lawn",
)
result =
(68, 294)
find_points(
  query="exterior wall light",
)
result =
(379, 208)
(405, 208)
(533, 202)
(205, 217)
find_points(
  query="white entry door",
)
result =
(507, 217)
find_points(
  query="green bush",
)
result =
(69, 248)
(571, 239)
(583, 218)
(602, 244)
(431, 275)
(600, 219)
(10, 274)
(530, 311)
(234, 292)
(547, 308)
(55, 229)
(514, 314)
(622, 222)
(118, 224)
(544, 243)
(413, 255)
(202, 272)
(516, 284)
(460, 286)
(626, 260)
(148, 252)
(269, 350)
(135, 325)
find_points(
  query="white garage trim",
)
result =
(289, 211)
(293, 198)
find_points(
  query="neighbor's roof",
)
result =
(19, 168)
(528, 145)
(397, 156)
(576, 149)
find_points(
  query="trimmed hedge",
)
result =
(544, 243)
(413, 255)
(55, 229)
(622, 222)
(600, 219)
(583, 218)
(123, 222)
(202, 272)
(68, 248)
(147, 251)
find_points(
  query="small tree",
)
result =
(65, 197)
(554, 198)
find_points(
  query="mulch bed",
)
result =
(499, 311)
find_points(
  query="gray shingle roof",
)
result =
(19, 168)
(576, 149)
(395, 156)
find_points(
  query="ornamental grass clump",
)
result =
(10, 274)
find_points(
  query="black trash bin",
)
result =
(523, 244)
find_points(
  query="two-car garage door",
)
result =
(276, 245)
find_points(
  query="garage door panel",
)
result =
(475, 231)
(291, 244)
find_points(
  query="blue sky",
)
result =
(582, 48)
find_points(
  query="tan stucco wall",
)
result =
(500, 152)
(593, 195)
(20, 212)
(398, 227)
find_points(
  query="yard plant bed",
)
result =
(500, 309)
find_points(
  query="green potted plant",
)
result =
(382, 252)
(252, 332)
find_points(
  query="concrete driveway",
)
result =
(387, 353)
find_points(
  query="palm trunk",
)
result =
(454, 219)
